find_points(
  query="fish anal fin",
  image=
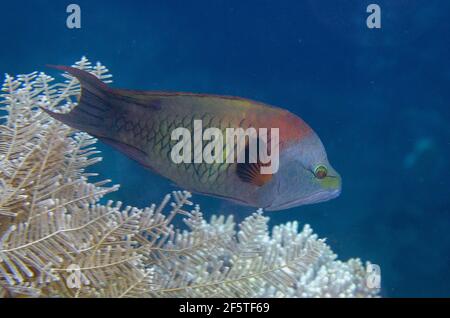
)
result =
(130, 151)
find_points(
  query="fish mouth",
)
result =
(320, 196)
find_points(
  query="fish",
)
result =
(139, 124)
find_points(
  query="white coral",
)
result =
(54, 232)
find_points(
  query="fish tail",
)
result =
(93, 106)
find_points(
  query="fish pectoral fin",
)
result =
(251, 173)
(130, 151)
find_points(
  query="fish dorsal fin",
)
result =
(145, 99)
(251, 172)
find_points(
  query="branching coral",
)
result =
(56, 239)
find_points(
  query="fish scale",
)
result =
(158, 144)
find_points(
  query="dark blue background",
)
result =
(379, 100)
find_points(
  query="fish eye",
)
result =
(320, 172)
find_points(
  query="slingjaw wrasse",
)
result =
(140, 125)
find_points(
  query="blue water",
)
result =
(378, 98)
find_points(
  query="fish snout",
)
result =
(333, 182)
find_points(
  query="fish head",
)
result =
(304, 176)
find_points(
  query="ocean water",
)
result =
(378, 98)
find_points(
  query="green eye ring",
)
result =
(320, 172)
